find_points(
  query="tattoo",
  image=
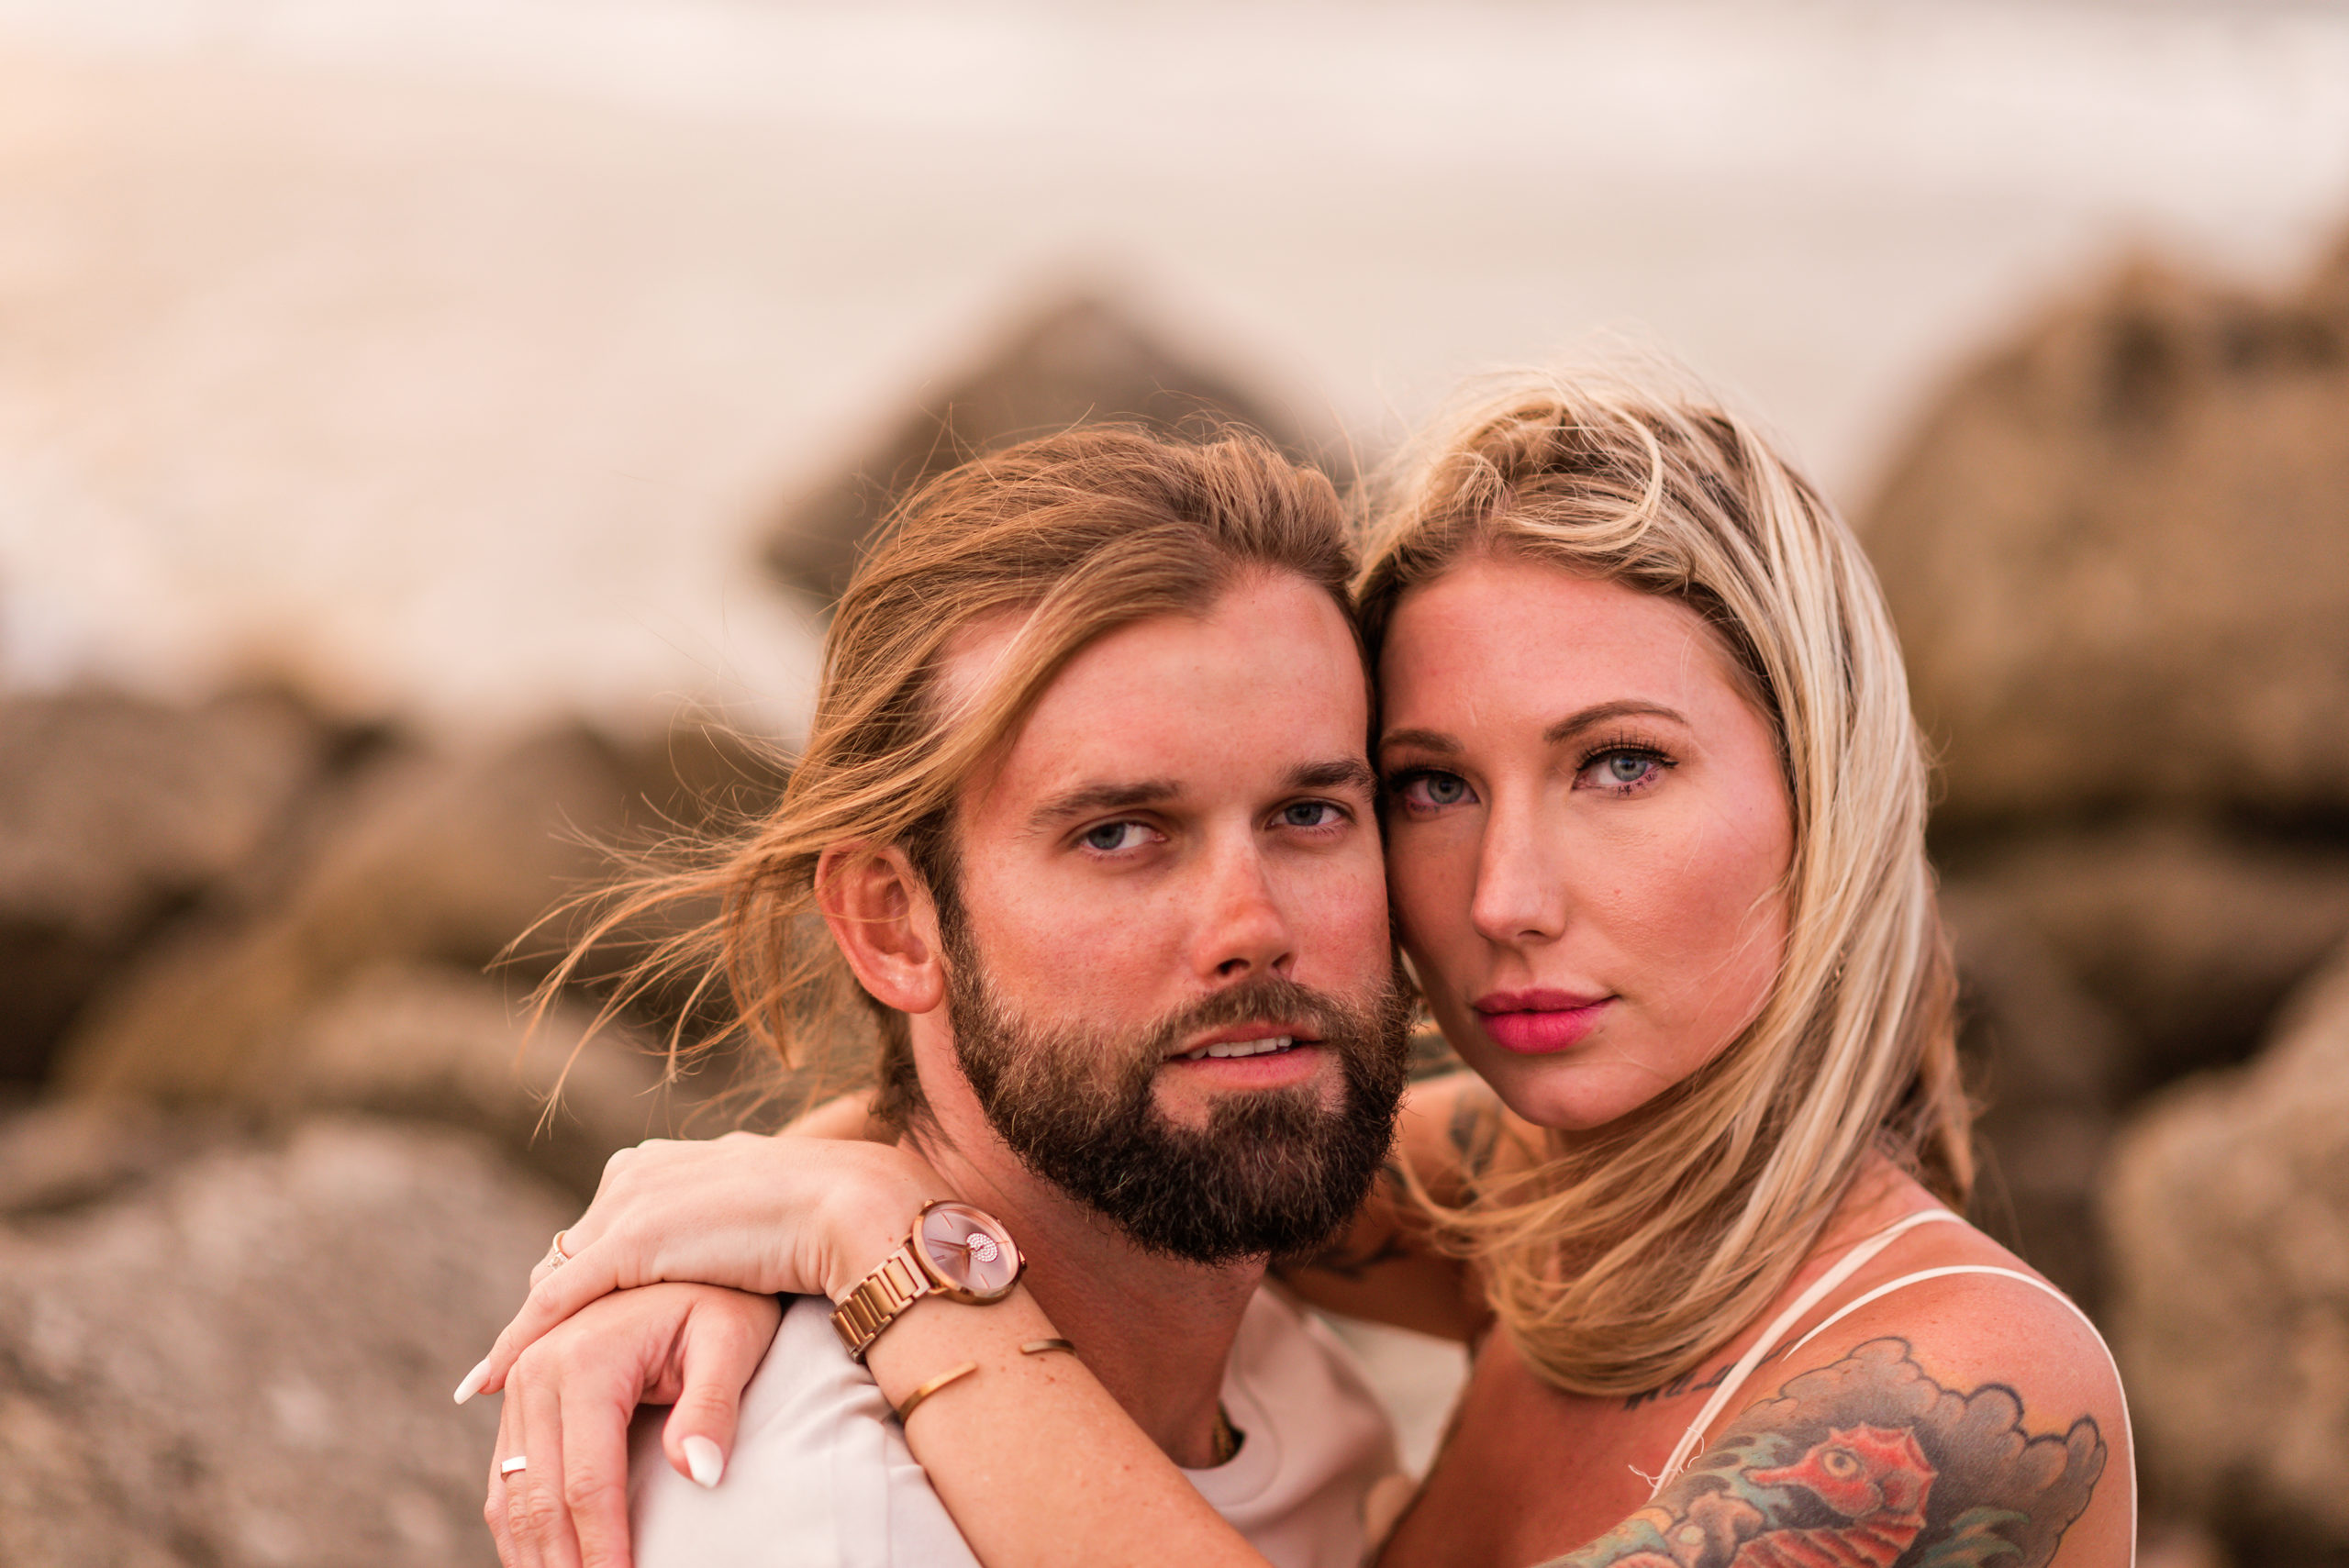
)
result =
(1475, 1131)
(1863, 1465)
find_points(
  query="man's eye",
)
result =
(1111, 837)
(1308, 814)
(1432, 791)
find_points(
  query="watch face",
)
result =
(969, 1250)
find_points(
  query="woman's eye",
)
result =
(1624, 770)
(1430, 791)
(1111, 837)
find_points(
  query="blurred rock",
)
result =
(2046, 1060)
(356, 984)
(248, 1362)
(2118, 550)
(114, 812)
(426, 858)
(446, 1045)
(2228, 1211)
(1079, 357)
(2189, 937)
(57, 1157)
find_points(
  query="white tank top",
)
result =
(1818, 1290)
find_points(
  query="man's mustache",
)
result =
(1267, 999)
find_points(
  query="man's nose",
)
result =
(1243, 933)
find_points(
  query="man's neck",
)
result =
(1156, 1331)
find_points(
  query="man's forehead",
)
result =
(1263, 686)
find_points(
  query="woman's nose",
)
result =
(1521, 895)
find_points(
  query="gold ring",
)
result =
(1039, 1347)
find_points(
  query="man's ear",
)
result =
(880, 914)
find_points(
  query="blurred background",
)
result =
(427, 430)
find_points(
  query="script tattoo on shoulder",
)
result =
(1864, 1464)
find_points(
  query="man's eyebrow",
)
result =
(1574, 724)
(1339, 773)
(1087, 799)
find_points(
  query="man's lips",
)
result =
(1243, 1042)
(1537, 1023)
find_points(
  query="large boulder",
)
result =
(2118, 550)
(357, 984)
(2187, 934)
(114, 813)
(427, 858)
(1079, 356)
(244, 1358)
(2046, 1060)
(2228, 1210)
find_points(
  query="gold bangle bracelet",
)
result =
(1040, 1347)
(905, 1410)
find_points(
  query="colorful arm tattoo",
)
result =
(1864, 1464)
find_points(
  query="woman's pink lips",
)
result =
(1537, 1023)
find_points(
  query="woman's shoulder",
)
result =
(1942, 1388)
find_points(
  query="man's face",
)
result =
(1171, 975)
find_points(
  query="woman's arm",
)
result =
(1387, 1267)
(1991, 1436)
(571, 1395)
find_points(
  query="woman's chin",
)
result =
(1566, 1096)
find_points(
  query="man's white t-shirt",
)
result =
(820, 1475)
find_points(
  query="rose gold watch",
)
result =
(954, 1251)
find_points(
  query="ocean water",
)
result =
(448, 359)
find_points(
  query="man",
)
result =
(1085, 811)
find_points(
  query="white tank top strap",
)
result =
(1845, 1267)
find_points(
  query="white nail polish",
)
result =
(704, 1460)
(473, 1379)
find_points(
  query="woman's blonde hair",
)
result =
(1626, 1254)
(1082, 532)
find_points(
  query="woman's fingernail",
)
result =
(473, 1379)
(704, 1460)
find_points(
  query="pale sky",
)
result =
(447, 356)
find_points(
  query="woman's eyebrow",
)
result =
(1599, 713)
(1574, 724)
(1434, 740)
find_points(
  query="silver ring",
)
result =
(509, 1466)
(556, 1257)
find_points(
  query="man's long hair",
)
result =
(1080, 533)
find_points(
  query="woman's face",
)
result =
(1588, 836)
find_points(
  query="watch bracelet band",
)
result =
(895, 1284)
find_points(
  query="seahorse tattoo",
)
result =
(1864, 1464)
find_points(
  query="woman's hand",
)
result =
(571, 1394)
(794, 1216)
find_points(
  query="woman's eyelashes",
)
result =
(1426, 790)
(1621, 767)
(1616, 767)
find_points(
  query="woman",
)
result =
(1655, 809)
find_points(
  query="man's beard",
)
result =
(1272, 1172)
